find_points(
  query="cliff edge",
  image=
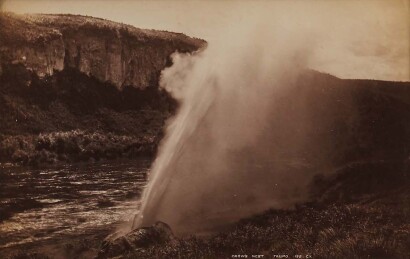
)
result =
(111, 52)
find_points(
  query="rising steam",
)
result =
(223, 155)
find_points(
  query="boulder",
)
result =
(137, 239)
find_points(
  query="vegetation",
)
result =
(70, 118)
(74, 146)
(361, 211)
(39, 29)
(367, 230)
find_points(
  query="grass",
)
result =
(360, 211)
(367, 230)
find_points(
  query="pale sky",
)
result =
(354, 39)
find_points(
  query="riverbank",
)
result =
(74, 146)
(360, 211)
(370, 228)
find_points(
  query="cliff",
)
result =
(77, 88)
(111, 52)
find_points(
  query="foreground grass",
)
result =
(368, 229)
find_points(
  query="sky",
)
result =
(352, 39)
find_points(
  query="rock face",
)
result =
(66, 74)
(140, 238)
(111, 52)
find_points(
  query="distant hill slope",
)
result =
(352, 120)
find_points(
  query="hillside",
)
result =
(66, 81)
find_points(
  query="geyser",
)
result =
(245, 137)
(224, 156)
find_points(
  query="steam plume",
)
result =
(240, 143)
(220, 159)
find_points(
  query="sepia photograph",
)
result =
(204, 129)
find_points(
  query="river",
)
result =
(43, 206)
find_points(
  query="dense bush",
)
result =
(73, 146)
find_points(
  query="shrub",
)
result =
(71, 146)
